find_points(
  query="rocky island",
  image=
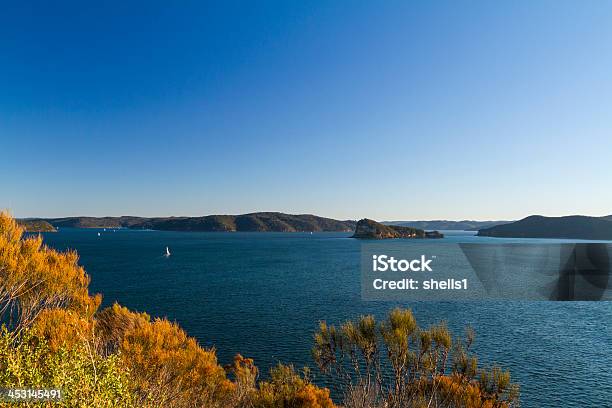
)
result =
(370, 229)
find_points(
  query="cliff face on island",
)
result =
(537, 226)
(253, 222)
(370, 229)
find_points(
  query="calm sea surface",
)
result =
(262, 294)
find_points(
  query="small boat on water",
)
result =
(167, 252)
(98, 234)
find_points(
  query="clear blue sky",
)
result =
(347, 109)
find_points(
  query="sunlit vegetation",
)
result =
(396, 364)
(167, 366)
(55, 335)
(86, 378)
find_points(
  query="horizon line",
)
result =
(394, 219)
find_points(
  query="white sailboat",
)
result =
(167, 252)
(98, 234)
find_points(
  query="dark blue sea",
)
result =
(263, 294)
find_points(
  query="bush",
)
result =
(34, 278)
(85, 378)
(167, 367)
(397, 364)
(287, 388)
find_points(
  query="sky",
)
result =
(346, 109)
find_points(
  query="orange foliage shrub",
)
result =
(288, 389)
(63, 328)
(245, 374)
(34, 278)
(168, 367)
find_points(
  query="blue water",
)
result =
(262, 295)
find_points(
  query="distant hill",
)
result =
(537, 226)
(466, 225)
(95, 222)
(36, 226)
(254, 222)
(370, 229)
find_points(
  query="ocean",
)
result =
(263, 294)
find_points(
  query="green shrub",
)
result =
(85, 378)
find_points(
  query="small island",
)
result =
(370, 229)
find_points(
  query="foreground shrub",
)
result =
(397, 364)
(286, 388)
(34, 278)
(85, 378)
(167, 367)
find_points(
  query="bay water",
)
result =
(263, 294)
